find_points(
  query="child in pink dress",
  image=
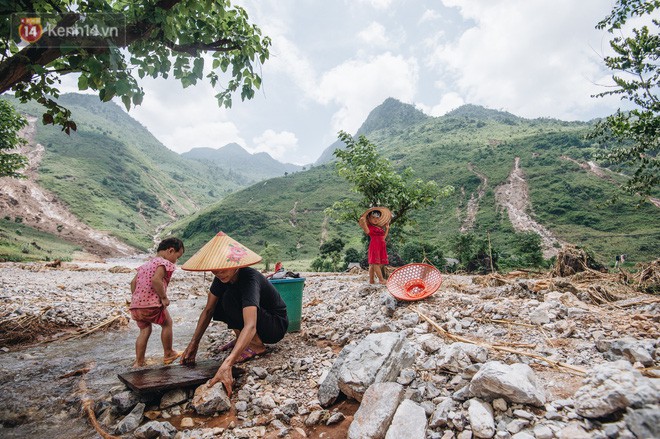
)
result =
(149, 299)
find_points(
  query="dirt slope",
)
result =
(42, 209)
(514, 197)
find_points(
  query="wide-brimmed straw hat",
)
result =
(385, 215)
(221, 253)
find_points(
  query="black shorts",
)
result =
(270, 327)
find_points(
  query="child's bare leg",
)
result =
(166, 336)
(379, 274)
(141, 346)
(371, 273)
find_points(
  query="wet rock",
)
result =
(124, 401)
(612, 387)
(379, 403)
(515, 383)
(131, 421)
(377, 358)
(409, 421)
(209, 400)
(156, 430)
(173, 397)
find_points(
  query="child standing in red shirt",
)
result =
(149, 299)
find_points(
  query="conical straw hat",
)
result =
(385, 215)
(220, 253)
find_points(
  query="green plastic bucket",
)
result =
(291, 291)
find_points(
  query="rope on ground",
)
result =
(88, 406)
(576, 370)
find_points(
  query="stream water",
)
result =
(37, 402)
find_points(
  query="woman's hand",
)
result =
(188, 356)
(223, 375)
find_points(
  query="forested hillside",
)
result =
(115, 176)
(475, 150)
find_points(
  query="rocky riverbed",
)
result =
(485, 356)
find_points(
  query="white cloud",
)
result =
(429, 15)
(377, 4)
(532, 58)
(448, 102)
(202, 134)
(374, 35)
(275, 144)
(359, 86)
(185, 118)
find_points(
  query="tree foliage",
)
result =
(10, 124)
(329, 255)
(632, 138)
(270, 253)
(380, 184)
(160, 38)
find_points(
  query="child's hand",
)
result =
(165, 301)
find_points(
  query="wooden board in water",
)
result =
(170, 377)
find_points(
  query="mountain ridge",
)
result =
(236, 159)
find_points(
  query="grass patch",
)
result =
(20, 243)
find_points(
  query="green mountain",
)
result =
(471, 148)
(391, 114)
(238, 162)
(115, 176)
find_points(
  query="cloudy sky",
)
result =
(333, 61)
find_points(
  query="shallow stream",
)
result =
(36, 401)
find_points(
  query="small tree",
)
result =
(270, 253)
(464, 246)
(380, 184)
(632, 138)
(416, 251)
(332, 250)
(10, 124)
(352, 255)
(528, 247)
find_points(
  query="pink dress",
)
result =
(144, 295)
(377, 247)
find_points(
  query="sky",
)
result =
(333, 61)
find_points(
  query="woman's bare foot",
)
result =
(139, 364)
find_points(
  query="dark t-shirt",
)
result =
(250, 289)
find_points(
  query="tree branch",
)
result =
(17, 68)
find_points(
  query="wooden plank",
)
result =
(170, 377)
